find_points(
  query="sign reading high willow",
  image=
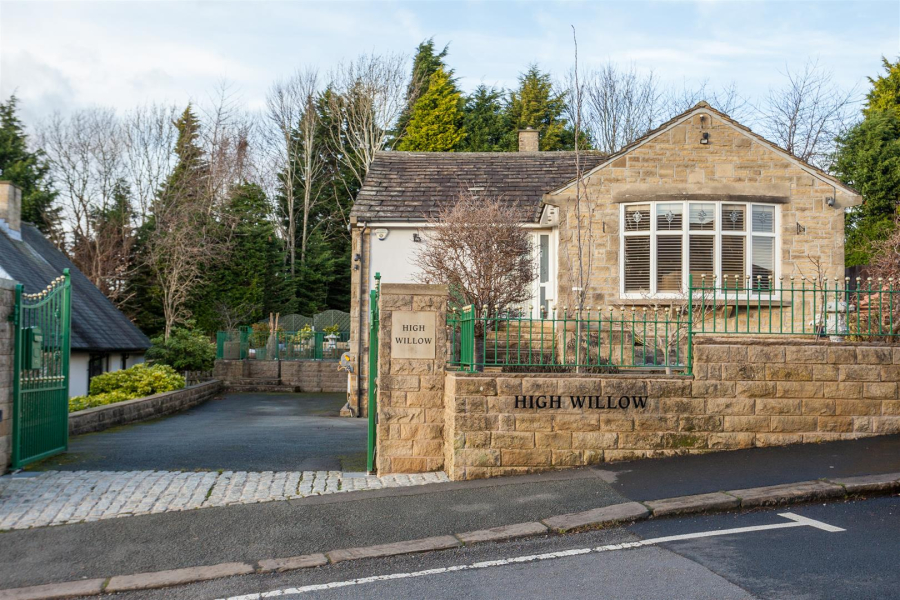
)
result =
(590, 402)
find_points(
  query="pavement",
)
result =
(732, 555)
(237, 432)
(294, 527)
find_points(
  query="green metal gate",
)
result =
(374, 323)
(41, 372)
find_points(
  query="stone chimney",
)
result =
(11, 209)
(529, 140)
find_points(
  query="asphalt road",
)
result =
(239, 432)
(797, 562)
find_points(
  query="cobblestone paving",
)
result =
(59, 498)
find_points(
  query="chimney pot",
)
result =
(529, 140)
(11, 207)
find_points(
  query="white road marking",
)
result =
(795, 521)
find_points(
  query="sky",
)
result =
(62, 56)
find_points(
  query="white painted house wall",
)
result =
(393, 256)
(78, 369)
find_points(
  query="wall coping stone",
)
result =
(712, 339)
(414, 289)
(638, 376)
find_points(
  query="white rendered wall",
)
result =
(392, 256)
(78, 374)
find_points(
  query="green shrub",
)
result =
(138, 381)
(185, 350)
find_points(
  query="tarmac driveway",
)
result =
(239, 432)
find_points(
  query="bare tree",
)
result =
(87, 152)
(366, 97)
(726, 99)
(149, 136)
(478, 247)
(806, 115)
(619, 105)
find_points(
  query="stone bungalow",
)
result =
(701, 195)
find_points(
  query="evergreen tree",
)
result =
(252, 278)
(27, 170)
(436, 124)
(484, 122)
(868, 158)
(189, 175)
(425, 63)
(885, 92)
(536, 104)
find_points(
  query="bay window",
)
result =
(663, 243)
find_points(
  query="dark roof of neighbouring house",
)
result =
(97, 325)
(415, 186)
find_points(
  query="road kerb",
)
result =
(442, 542)
(784, 494)
(280, 565)
(158, 579)
(68, 589)
(787, 493)
(505, 532)
(868, 483)
(607, 515)
(692, 504)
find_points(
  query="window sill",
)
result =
(764, 301)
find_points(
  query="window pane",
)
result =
(668, 263)
(703, 260)
(703, 217)
(733, 262)
(669, 217)
(763, 270)
(733, 217)
(637, 218)
(637, 264)
(763, 219)
(545, 258)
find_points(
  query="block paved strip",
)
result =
(869, 483)
(62, 497)
(442, 542)
(145, 581)
(692, 504)
(628, 511)
(69, 589)
(786, 493)
(505, 532)
(280, 565)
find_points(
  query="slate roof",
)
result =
(415, 186)
(97, 325)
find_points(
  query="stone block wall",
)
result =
(7, 344)
(410, 431)
(302, 375)
(746, 392)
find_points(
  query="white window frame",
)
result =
(717, 233)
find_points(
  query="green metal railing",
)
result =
(42, 329)
(586, 340)
(372, 381)
(247, 343)
(659, 336)
(860, 309)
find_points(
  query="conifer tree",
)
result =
(425, 63)
(885, 92)
(538, 105)
(26, 169)
(436, 124)
(484, 121)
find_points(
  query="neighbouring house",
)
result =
(701, 195)
(102, 337)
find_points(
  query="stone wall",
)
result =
(99, 418)
(298, 376)
(746, 392)
(7, 345)
(410, 431)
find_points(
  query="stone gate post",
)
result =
(412, 354)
